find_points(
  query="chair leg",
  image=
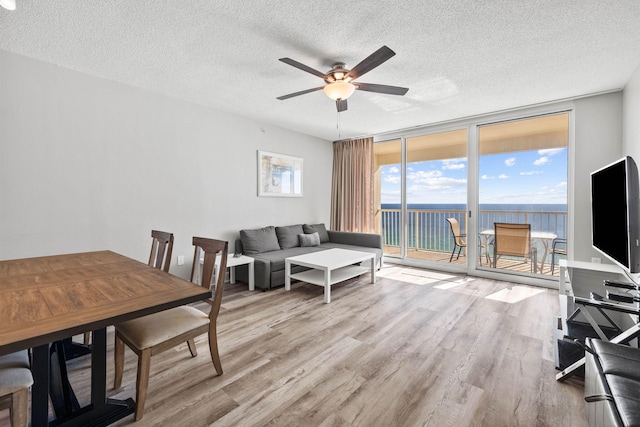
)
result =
(118, 360)
(19, 408)
(213, 348)
(142, 381)
(453, 252)
(192, 347)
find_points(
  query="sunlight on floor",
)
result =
(514, 294)
(424, 277)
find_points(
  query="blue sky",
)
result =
(527, 177)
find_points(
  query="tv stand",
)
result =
(586, 313)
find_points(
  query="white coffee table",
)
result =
(328, 268)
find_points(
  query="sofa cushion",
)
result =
(320, 229)
(288, 236)
(259, 240)
(307, 240)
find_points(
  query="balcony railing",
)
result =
(429, 230)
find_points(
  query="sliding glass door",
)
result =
(439, 195)
(522, 180)
(418, 198)
(389, 196)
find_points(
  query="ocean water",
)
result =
(428, 227)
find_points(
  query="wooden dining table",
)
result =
(47, 299)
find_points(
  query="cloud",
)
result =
(510, 161)
(487, 177)
(551, 151)
(532, 173)
(562, 184)
(503, 176)
(453, 164)
(392, 179)
(432, 180)
(542, 161)
(394, 169)
(424, 176)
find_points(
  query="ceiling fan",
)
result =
(339, 80)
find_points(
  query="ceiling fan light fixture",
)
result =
(8, 4)
(339, 90)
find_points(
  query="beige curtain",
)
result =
(352, 191)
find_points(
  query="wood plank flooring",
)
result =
(418, 348)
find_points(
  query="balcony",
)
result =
(430, 238)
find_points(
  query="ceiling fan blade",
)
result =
(390, 90)
(302, 92)
(371, 62)
(303, 67)
(341, 104)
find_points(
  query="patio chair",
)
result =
(558, 247)
(459, 240)
(514, 240)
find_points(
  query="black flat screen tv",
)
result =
(615, 213)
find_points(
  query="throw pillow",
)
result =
(259, 240)
(307, 240)
(288, 236)
(320, 229)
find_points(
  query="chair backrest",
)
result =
(211, 249)
(512, 239)
(455, 229)
(161, 249)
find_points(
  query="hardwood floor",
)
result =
(416, 348)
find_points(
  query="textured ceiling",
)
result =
(459, 58)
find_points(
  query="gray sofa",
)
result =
(269, 246)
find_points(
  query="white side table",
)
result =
(232, 263)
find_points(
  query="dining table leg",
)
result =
(40, 388)
(102, 411)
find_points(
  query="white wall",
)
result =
(631, 117)
(90, 164)
(598, 141)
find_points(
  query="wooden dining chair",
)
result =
(15, 380)
(160, 258)
(158, 332)
(161, 250)
(513, 240)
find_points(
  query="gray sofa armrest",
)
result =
(261, 273)
(368, 240)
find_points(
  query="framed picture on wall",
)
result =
(279, 175)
